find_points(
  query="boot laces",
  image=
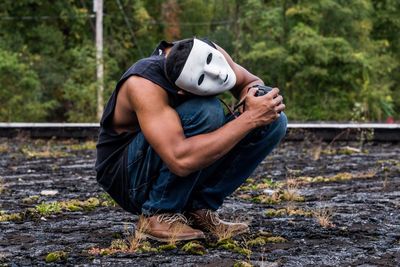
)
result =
(214, 217)
(171, 218)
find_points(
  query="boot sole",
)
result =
(160, 239)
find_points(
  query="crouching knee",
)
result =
(280, 126)
(201, 115)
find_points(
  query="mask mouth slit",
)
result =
(226, 78)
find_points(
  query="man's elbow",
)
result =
(181, 168)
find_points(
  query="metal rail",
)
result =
(296, 131)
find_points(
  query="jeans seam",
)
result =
(161, 198)
(135, 161)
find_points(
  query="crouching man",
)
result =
(167, 151)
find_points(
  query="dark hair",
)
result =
(176, 58)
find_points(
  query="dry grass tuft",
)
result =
(316, 152)
(324, 217)
(177, 229)
(134, 242)
(4, 148)
(2, 186)
(339, 177)
(291, 193)
(224, 233)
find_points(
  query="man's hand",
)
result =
(263, 109)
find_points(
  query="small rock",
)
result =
(269, 192)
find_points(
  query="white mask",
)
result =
(206, 71)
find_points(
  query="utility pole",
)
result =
(98, 9)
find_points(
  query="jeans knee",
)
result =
(281, 126)
(201, 115)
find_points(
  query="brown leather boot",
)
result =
(167, 227)
(209, 221)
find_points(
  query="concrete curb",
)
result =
(296, 131)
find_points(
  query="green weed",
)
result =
(56, 256)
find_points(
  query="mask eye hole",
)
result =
(201, 79)
(209, 58)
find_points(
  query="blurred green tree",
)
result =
(20, 91)
(332, 59)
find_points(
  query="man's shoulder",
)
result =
(141, 85)
(139, 81)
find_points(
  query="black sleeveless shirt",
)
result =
(112, 156)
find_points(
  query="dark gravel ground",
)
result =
(356, 192)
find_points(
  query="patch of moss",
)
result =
(119, 244)
(249, 181)
(275, 213)
(262, 240)
(146, 247)
(90, 203)
(88, 145)
(106, 200)
(287, 195)
(46, 153)
(287, 212)
(233, 246)
(71, 206)
(256, 242)
(49, 208)
(166, 247)
(78, 205)
(13, 217)
(265, 199)
(56, 256)
(242, 264)
(300, 212)
(105, 252)
(343, 176)
(276, 239)
(194, 247)
(269, 183)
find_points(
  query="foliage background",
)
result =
(332, 59)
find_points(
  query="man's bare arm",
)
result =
(244, 79)
(162, 128)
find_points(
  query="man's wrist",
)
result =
(246, 88)
(247, 119)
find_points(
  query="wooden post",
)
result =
(98, 9)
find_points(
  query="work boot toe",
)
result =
(209, 221)
(167, 227)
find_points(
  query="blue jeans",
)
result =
(154, 189)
